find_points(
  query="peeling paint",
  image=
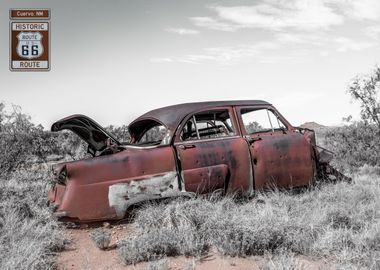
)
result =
(123, 195)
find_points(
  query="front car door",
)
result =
(281, 157)
(211, 153)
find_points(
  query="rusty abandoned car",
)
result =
(229, 146)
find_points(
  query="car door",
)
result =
(280, 156)
(211, 153)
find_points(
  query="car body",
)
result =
(229, 146)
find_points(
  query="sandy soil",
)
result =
(83, 254)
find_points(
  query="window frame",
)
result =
(164, 142)
(288, 126)
(230, 110)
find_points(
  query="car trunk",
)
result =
(97, 138)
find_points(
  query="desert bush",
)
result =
(354, 145)
(336, 220)
(158, 243)
(358, 143)
(69, 146)
(121, 133)
(365, 89)
(101, 238)
(18, 138)
(22, 142)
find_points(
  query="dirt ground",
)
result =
(83, 254)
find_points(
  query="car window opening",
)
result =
(152, 136)
(207, 125)
(261, 120)
(149, 132)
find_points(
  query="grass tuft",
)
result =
(101, 238)
(161, 264)
(283, 261)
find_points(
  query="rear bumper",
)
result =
(61, 214)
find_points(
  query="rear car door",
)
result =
(211, 153)
(281, 157)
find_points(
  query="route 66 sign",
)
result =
(29, 45)
(29, 40)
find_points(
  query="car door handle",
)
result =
(251, 140)
(186, 146)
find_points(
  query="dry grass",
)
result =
(340, 221)
(101, 238)
(161, 264)
(29, 236)
(283, 261)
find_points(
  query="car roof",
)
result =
(171, 116)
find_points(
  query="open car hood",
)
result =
(97, 137)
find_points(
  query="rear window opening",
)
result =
(149, 133)
(153, 136)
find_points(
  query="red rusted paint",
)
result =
(282, 160)
(236, 163)
(206, 155)
(205, 179)
(86, 196)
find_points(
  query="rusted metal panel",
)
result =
(208, 155)
(205, 179)
(87, 186)
(279, 158)
(282, 160)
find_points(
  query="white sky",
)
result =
(114, 60)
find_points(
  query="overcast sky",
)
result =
(114, 60)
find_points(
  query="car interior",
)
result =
(206, 125)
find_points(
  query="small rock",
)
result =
(106, 225)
